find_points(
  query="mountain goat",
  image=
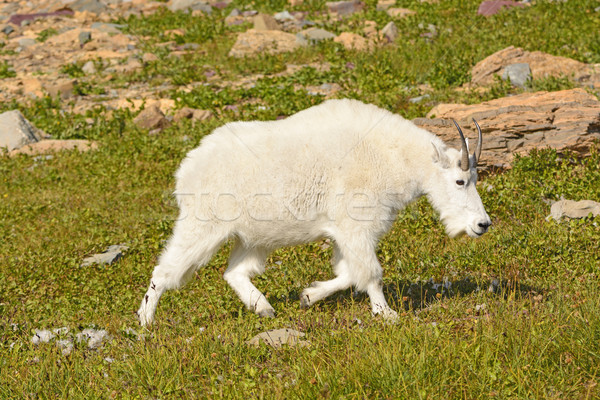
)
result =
(340, 170)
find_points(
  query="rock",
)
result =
(400, 12)
(491, 7)
(370, 29)
(542, 65)
(93, 337)
(32, 86)
(26, 42)
(313, 35)
(7, 29)
(149, 57)
(84, 37)
(92, 6)
(383, 5)
(65, 346)
(352, 41)
(265, 22)
(62, 88)
(193, 114)
(390, 32)
(272, 42)
(574, 209)
(278, 337)
(54, 145)
(42, 336)
(568, 119)
(151, 118)
(519, 74)
(89, 68)
(194, 5)
(345, 7)
(111, 255)
(16, 131)
(284, 16)
(24, 19)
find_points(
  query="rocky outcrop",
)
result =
(541, 64)
(568, 119)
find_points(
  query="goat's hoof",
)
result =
(268, 313)
(304, 301)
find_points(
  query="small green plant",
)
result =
(6, 71)
(45, 34)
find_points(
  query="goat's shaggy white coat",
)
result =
(340, 170)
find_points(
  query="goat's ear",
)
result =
(439, 156)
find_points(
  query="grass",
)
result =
(517, 317)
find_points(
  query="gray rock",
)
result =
(278, 337)
(89, 68)
(519, 74)
(111, 255)
(284, 16)
(84, 37)
(7, 29)
(93, 6)
(42, 336)
(574, 209)
(182, 5)
(418, 99)
(93, 337)
(235, 13)
(16, 131)
(390, 32)
(65, 346)
(313, 35)
(26, 42)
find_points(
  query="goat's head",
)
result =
(452, 191)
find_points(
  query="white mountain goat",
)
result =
(340, 170)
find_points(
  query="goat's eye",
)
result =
(460, 182)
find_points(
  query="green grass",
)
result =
(536, 334)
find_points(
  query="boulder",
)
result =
(541, 64)
(574, 209)
(272, 42)
(390, 32)
(352, 41)
(563, 120)
(16, 131)
(265, 22)
(151, 118)
(313, 35)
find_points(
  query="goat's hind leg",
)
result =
(244, 263)
(182, 256)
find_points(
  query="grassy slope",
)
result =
(536, 336)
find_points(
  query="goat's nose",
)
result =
(484, 225)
